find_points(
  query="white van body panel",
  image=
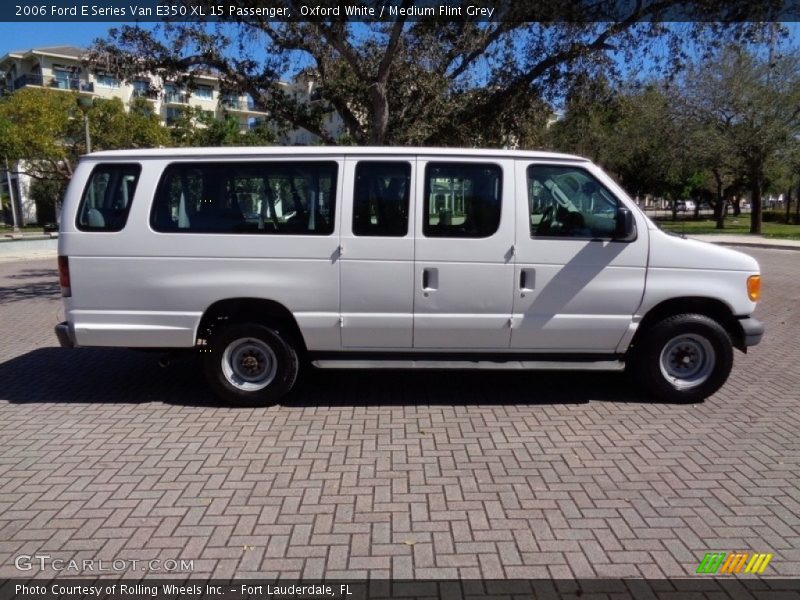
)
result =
(141, 288)
(574, 295)
(138, 278)
(697, 269)
(377, 276)
(467, 304)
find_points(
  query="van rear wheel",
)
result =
(683, 358)
(250, 365)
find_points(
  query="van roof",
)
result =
(249, 151)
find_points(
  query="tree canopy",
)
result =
(434, 81)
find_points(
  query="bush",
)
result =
(773, 216)
(779, 216)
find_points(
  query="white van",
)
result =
(266, 259)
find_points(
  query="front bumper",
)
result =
(753, 330)
(65, 335)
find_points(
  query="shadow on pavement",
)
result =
(116, 375)
(30, 291)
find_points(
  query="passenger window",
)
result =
(381, 197)
(107, 198)
(462, 200)
(257, 198)
(569, 202)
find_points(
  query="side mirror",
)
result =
(625, 230)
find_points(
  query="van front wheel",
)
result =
(250, 365)
(684, 358)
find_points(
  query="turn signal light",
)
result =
(754, 287)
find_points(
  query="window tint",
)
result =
(258, 198)
(107, 197)
(462, 200)
(569, 202)
(380, 201)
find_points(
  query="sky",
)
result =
(23, 36)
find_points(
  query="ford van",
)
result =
(265, 261)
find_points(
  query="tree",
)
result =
(195, 127)
(43, 130)
(36, 125)
(592, 115)
(429, 81)
(752, 105)
(112, 127)
(632, 132)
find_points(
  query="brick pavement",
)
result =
(105, 456)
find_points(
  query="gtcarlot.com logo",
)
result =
(45, 562)
(734, 562)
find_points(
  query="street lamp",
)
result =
(85, 103)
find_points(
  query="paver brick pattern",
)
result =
(106, 456)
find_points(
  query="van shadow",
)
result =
(114, 376)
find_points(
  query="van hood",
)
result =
(672, 251)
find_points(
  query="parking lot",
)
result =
(105, 456)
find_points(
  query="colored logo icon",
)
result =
(734, 562)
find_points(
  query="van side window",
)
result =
(462, 200)
(380, 200)
(286, 198)
(107, 197)
(569, 202)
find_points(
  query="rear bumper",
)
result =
(753, 330)
(65, 335)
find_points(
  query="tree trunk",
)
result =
(719, 205)
(755, 208)
(797, 208)
(380, 114)
(788, 204)
(737, 200)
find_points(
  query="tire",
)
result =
(250, 365)
(684, 358)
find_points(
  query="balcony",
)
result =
(242, 104)
(176, 98)
(63, 83)
(253, 124)
(233, 103)
(147, 94)
(59, 83)
(29, 79)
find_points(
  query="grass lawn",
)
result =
(25, 229)
(735, 225)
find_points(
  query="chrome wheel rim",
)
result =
(687, 361)
(249, 364)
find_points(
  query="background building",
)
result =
(63, 68)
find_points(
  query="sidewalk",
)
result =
(28, 247)
(753, 241)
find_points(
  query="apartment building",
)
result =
(62, 68)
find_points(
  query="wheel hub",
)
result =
(249, 364)
(687, 360)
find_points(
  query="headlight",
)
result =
(754, 287)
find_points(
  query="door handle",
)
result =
(527, 279)
(430, 279)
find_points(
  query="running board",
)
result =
(510, 365)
